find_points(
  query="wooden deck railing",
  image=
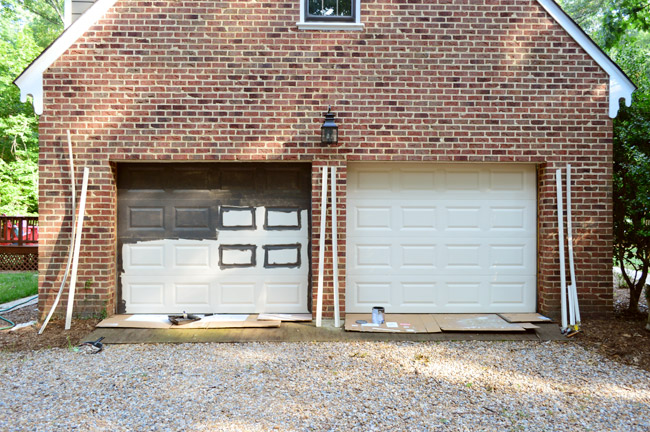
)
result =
(18, 242)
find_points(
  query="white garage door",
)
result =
(243, 271)
(441, 238)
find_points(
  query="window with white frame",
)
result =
(330, 15)
(329, 10)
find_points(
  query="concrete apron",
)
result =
(308, 332)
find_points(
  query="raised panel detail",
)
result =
(507, 180)
(146, 294)
(237, 217)
(418, 217)
(507, 256)
(374, 180)
(145, 256)
(198, 217)
(192, 178)
(507, 217)
(237, 293)
(418, 293)
(373, 293)
(284, 180)
(283, 293)
(146, 218)
(237, 256)
(463, 217)
(507, 293)
(192, 256)
(277, 218)
(194, 294)
(463, 293)
(463, 180)
(373, 217)
(418, 256)
(282, 256)
(236, 178)
(424, 180)
(373, 255)
(463, 256)
(143, 179)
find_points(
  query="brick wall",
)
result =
(426, 81)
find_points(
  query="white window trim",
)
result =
(331, 26)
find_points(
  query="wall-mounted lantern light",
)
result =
(329, 132)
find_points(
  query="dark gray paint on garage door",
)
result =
(159, 201)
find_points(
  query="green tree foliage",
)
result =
(27, 27)
(622, 29)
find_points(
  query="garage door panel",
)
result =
(462, 257)
(376, 180)
(421, 217)
(467, 180)
(196, 218)
(372, 256)
(428, 217)
(421, 294)
(422, 181)
(236, 295)
(422, 256)
(147, 256)
(435, 237)
(225, 238)
(463, 292)
(463, 218)
(371, 292)
(144, 292)
(512, 293)
(371, 217)
(192, 295)
(196, 257)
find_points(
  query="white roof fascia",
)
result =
(30, 81)
(620, 85)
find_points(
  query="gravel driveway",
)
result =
(361, 386)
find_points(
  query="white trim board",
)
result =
(620, 85)
(30, 81)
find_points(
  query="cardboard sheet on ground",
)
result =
(162, 322)
(136, 321)
(475, 323)
(524, 317)
(293, 317)
(528, 326)
(394, 323)
(228, 321)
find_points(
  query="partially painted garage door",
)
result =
(441, 238)
(227, 238)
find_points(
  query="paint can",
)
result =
(377, 315)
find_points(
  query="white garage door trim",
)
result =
(441, 238)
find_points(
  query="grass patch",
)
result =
(14, 286)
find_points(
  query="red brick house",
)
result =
(200, 122)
